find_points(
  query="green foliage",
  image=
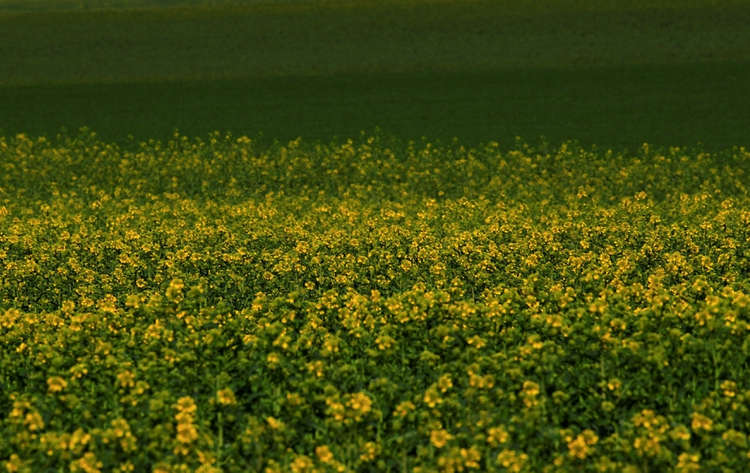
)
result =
(371, 306)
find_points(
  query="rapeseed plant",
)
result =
(214, 306)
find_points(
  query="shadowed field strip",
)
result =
(613, 107)
(611, 73)
(235, 41)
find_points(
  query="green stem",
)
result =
(220, 445)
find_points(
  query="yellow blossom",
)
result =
(530, 388)
(87, 464)
(701, 422)
(126, 379)
(580, 446)
(186, 432)
(440, 437)
(186, 404)
(14, 463)
(360, 402)
(614, 384)
(729, 388)
(369, 451)
(403, 408)
(226, 396)
(34, 421)
(56, 384)
(511, 460)
(432, 397)
(688, 462)
(680, 433)
(301, 464)
(275, 424)
(324, 453)
(497, 435)
(445, 383)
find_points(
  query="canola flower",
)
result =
(217, 306)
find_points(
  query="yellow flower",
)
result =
(337, 409)
(476, 341)
(360, 402)
(324, 453)
(471, 457)
(730, 388)
(174, 291)
(316, 368)
(701, 422)
(88, 464)
(127, 466)
(78, 440)
(649, 446)
(614, 384)
(108, 304)
(445, 383)
(56, 384)
(34, 421)
(680, 433)
(497, 435)
(737, 438)
(275, 424)
(403, 408)
(186, 404)
(647, 419)
(530, 388)
(121, 427)
(186, 432)
(273, 358)
(68, 307)
(688, 462)
(369, 451)
(162, 467)
(440, 437)
(14, 463)
(579, 447)
(512, 460)
(432, 397)
(384, 342)
(126, 379)
(226, 396)
(133, 300)
(301, 463)
(206, 468)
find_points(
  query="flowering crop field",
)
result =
(208, 305)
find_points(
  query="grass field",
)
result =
(670, 73)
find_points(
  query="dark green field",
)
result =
(615, 74)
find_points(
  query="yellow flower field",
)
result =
(211, 305)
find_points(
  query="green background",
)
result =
(615, 74)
